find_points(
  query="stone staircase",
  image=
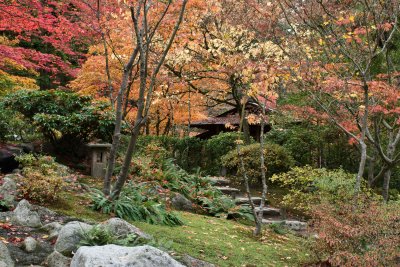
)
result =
(271, 215)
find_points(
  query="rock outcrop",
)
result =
(113, 255)
(23, 215)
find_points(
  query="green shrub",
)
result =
(277, 160)
(218, 146)
(67, 120)
(42, 179)
(308, 186)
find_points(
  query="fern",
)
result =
(132, 206)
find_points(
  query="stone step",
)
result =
(245, 200)
(228, 190)
(269, 211)
(291, 224)
(219, 181)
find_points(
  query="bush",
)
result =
(42, 178)
(365, 235)
(218, 146)
(308, 186)
(67, 120)
(277, 160)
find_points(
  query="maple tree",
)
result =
(222, 54)
(41, 37)
(336, 52)
(151, 28)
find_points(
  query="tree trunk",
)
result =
(371, 170)
(118, 124)
(361, 169)
(258, 223)
(246, 130)
(127, 161)
(386, 183)
(260, 214)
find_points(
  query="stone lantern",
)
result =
(99, 159)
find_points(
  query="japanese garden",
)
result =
(199, 133)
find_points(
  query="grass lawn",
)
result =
(216, 240)
(228, 243)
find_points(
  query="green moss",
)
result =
(78, 206)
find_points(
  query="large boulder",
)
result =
(113, 255)
(8, 190)
(70, 236)
(56, 259)
(180, 202)
(121, 229)
(5, 257)
(23, 215)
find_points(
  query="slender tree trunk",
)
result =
(127, 161)
(371, 170)
(361, 169)
(246, 130)
(258, 229)
(118, 124)
(363, 145)
(258, 223)
(388, 173)
(386, 184)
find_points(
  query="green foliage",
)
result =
(277, 160)
(218, 146)
(311, 144)
(42, 179)
(63, 117)
(308, 186)
(13, 127)
(135, 206)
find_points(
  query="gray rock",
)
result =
(189, 261)
(295, 225)
(5, 256)
(180, 202)
(70, 236)
(3, 264)
(117, 256)
(8, 190)
(30, 244)
(122, 229)
(53, 229)
(24, 215)
(56, 259)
